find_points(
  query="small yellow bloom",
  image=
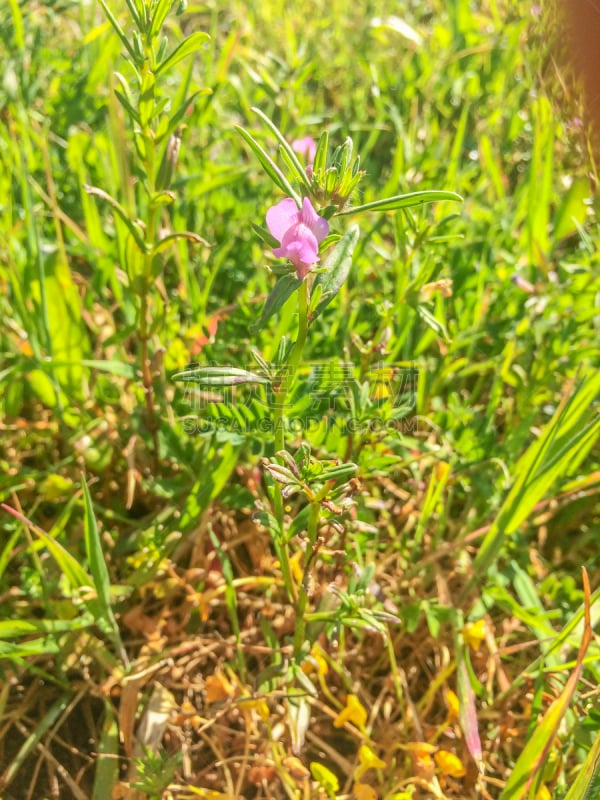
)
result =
(217, 687)
(315, 662)
(367, 760)
(381, 391)
(296, 568)
(449, 764)
(362, 791)
(453, 704)
(543, 793)
(353, 712)
(258, 704)
(474, 633)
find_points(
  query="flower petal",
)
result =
(282, 217)
(318, 225)
(300, 245)
(306, 147)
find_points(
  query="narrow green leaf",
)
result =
(432, 321)
(13, 628)
(18, 27)
(41, 645)
(113, 367)
(107, 765)
(320, 162)
(168, 240)
(138, 13)
(41, 727)
(292, 168)
(269, 166)
(68, 564)
(291, 157)
(118, 208)
(119, 30)
(99, 570)
(186, 48)
(264, 235)
(563, 444)
(121, 97)
(572, 210)
(219, 376)
(527, 771)
(160, 14)
(402, 201)
(280, 293)
(587, 782)
(337, 266)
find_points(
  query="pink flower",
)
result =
(299, 232)
(306, 147)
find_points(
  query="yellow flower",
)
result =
(218, 688)
(543, 793)
(474, 633)
(449, 764)
(453, 704)
(315, 662)
(296, 568)
(353, 712)
(367, 760)
(362, 791)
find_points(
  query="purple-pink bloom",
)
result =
(306, 147)
(299, 232)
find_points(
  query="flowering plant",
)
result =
(299, 229)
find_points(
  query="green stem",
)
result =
(278, 419)
(144, 331)
(300, 629)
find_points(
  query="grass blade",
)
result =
(587, 782)
(564, 443)
(530, 763)
(99, 570)
(107, 767)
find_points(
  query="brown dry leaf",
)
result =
(154, 719)
(296, 769)
(123, 791)
(128, 709)
(139, 622)
(298, 720)
(423, 764)
(443, 286)
(188, 715)
(261, 774)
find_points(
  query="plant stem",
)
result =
(144, 332)
(300, 629)
(278, 418)
(144, 337)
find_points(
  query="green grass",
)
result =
(146, 640)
